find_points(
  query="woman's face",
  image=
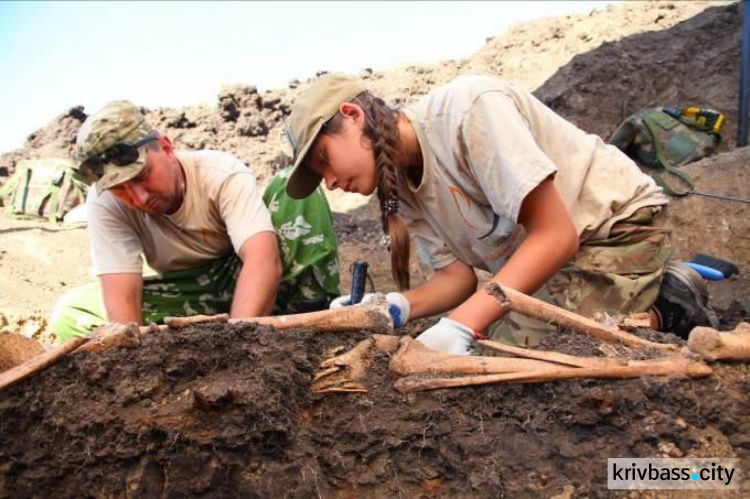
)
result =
(345, 160)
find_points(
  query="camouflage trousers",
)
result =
(310, 278)
(617, 275)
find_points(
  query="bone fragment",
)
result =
(557, 358)
(345, 372)
(343, 388)
(112, 335)
(713, 345)
(387, 344)
(628, 322)
(182, 322)
(512, 300)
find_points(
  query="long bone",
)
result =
(415, 358)
(671, 366)
(511, 300)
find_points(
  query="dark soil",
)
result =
(227, 411)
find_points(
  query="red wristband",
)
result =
(478, 335)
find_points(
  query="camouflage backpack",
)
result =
(666, 140)
(43, 188)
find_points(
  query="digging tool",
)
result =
(359, 278)
(713, 345)
(511, 300)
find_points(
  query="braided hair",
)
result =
(381, 127)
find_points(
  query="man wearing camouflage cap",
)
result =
(199, 221)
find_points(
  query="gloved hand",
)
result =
(398, 305)
(448, 336)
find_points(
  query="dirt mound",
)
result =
(695, 62)
(227, 410)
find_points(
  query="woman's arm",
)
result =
(551, 241)
(447, 287)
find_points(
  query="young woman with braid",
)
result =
(485, 176)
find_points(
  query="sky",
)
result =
(56, 55)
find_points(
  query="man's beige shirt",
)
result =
(221, 210)
(486, 144)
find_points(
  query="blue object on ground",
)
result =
(723, 266)
(709, 273)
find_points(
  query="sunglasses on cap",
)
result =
(121, 154)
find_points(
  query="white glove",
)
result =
(448, 336)
(398, 305)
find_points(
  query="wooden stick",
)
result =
(673, 366)
(41, 361)
(713, 345)
(555, 357)
(511, 300)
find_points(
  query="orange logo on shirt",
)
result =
(456, 193)
(206, 233)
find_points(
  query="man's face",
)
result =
(159, 188)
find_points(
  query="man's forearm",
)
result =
(122, 295)
(256, 291)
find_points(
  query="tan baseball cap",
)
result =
(311, 110)
(117, 122)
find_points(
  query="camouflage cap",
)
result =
(116, 122)
(311, 110)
